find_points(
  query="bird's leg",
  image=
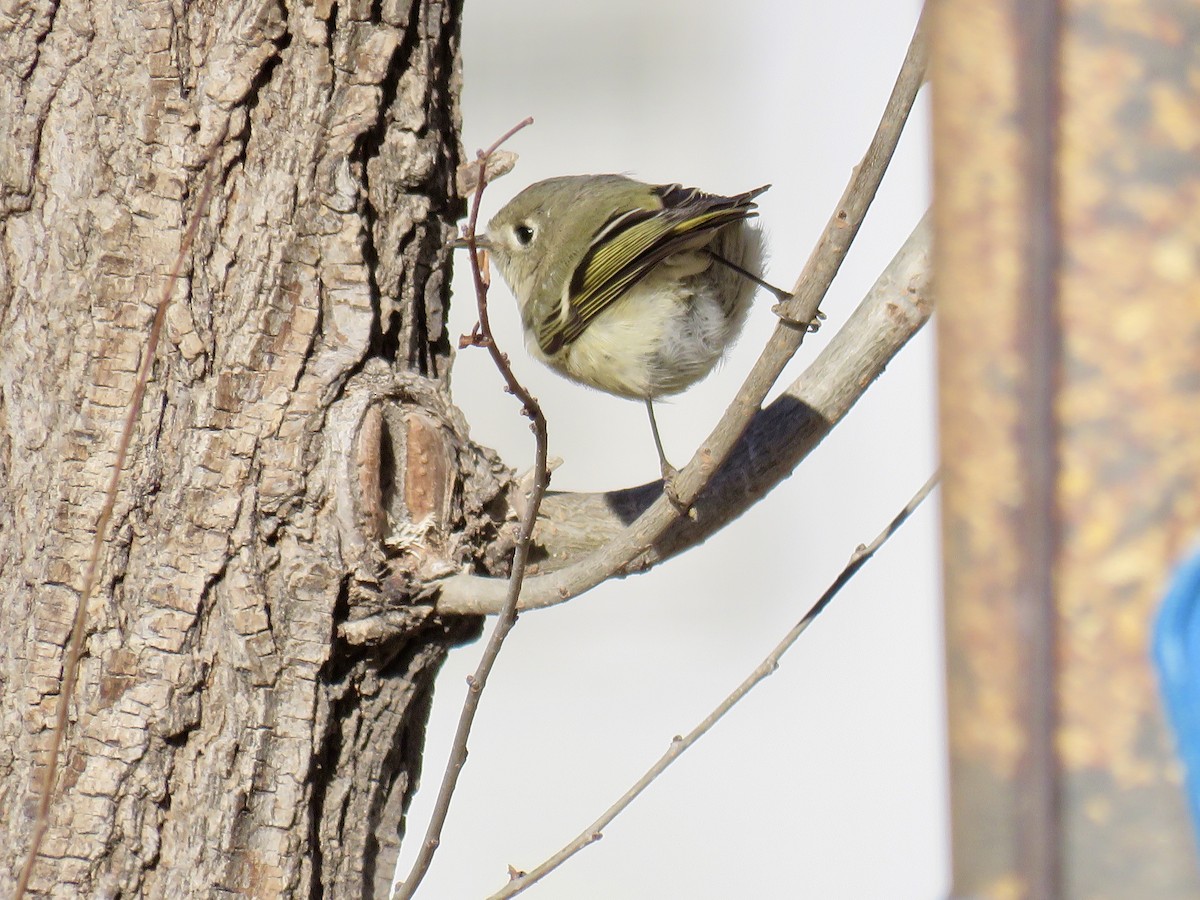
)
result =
(780, 294)
(668, 471)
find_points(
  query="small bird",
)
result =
(635, 289)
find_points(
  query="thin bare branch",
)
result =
(75, 644)
(508, 613)
(633, 544)
(679, 744)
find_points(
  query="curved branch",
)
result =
(779, 436)
(508, 607)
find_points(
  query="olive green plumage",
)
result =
(632, 288)
(616, 283)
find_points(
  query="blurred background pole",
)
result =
(1067, 185)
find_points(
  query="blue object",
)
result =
(1177, 654)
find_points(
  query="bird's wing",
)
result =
(629, 245)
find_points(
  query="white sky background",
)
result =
(828, 781)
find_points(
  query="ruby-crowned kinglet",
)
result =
(632, 288)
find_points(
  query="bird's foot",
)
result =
(810, 326)
(669, 474)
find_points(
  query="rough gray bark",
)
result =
(242, 723)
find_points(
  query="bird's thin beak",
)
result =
(481, 242)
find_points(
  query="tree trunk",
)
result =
(253, 689)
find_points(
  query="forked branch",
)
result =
(637, 546)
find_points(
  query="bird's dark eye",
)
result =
(524, 234)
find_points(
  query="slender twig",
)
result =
(508, 615)
(597, 567)
(75, 644)
(679, 744)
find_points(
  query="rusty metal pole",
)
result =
(1067, 179)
